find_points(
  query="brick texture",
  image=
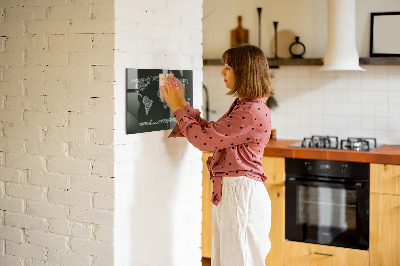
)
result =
(56, 125)
(63, 140)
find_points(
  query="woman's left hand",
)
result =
(171, 95)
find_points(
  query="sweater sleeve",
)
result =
(193, 113)
(229, 131)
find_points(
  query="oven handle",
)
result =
(357, 185)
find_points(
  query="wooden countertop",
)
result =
(389, 154)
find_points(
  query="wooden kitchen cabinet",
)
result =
(305, 254)
(274, 168)
(206, 225)
(384, 237)
(277, 233)
(385, 178)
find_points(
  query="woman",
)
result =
(242, 208)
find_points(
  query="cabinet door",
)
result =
(277, 233)
(304, 254)
(206, 226)
(274, 168)
(385, 178)
(384, 229)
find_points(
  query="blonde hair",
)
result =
(250, 66)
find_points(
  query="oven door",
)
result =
(327, 213)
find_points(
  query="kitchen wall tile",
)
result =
(292, 82)
(355, 96)
(304, 82)
(367, 96)
(342, 109)
(354, 80)
(342, 80)
(317, 131)
(381, 97)
(394, 123)
(369, 70)
(394, 137)
(381, 136)
(355, 122)
(278, 71)
(291, 71)
(393, 71)
(329, 93)
(304, 72)
(367, 82)
(355, 132)
(380, 84)
(329, 109)
(342, 96)
(278, 83)
(380, 71)
(394, 97)
(315, 72)
(328, 74)
(342, 122)
(381, 110)
(317, 108)
(329, 122)
(304, 109)
(394, 83)
(368, 123)
(327, 99)
(355, 109)
(367, 110)
(394, 110)
(316, 82)
(381, 123)
(317, 95)
(342, 133)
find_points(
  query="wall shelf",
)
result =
(380, 61)
(274, 63)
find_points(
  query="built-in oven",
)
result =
(327, 202)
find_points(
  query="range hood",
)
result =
(341, 51)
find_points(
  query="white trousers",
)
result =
(241, 223)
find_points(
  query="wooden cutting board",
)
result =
(239, 35)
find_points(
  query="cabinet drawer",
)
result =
(304, 254)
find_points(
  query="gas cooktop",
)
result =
(332, 142)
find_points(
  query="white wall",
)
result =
(56, 132)
(158, 180)
(344, 103)
(304, 18)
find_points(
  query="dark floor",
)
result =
(206, 261)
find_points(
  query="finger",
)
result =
(164, 90)
(170, 86)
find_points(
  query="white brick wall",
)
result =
(56, 132)
(156, 178)
(59, 126)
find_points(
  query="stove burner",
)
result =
(332, 142)
(358, 144)
(328, 142)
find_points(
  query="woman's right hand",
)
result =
(181, 90)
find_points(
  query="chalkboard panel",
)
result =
(146, 109)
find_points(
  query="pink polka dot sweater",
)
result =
(238, 139)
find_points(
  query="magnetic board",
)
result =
(146, 109)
